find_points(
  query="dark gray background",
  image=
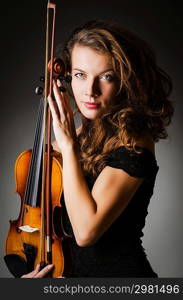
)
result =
(22, 63)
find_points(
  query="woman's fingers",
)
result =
(65, 98)
(44, 271)
(60, 108)
(33, 273)
(54, 109)
(62, 99)
(63, 120)
(67, 107)
(60, 102)
(39, 274)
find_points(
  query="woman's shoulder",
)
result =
(138, 164)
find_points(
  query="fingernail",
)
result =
(58, 82)
(50, 266)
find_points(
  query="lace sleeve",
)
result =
(141, 165)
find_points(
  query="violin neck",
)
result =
(33, 189)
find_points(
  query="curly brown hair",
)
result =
(142, 107)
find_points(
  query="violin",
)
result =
(37, 236)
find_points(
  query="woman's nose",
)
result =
(92, 89)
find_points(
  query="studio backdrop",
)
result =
(22, 63)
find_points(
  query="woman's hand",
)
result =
(39, 274)
(63, 120)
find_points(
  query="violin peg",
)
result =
(62, 89)
(61, 78)
(38, 90)
(42, 79)
(68, 78)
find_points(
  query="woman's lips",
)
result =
(90, 105)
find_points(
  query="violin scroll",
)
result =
(58, 72)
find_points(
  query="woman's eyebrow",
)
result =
(78, 69)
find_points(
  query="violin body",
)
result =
(22, 247)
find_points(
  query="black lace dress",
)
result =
(119, 252)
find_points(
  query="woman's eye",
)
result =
(79, 75)
(108, 77)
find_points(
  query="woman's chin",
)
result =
(91, 115)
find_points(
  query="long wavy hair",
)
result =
(142, 107)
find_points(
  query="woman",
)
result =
(109, 165)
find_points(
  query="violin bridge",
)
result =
(28, 228)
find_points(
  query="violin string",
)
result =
(28, 198)
(36, 160)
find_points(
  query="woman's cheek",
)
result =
(75, 89)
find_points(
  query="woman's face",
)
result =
(94, 83)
